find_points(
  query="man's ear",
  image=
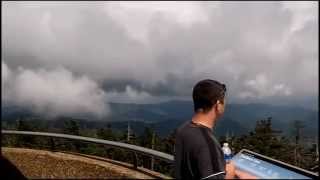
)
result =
(219, 102)
(215, 105)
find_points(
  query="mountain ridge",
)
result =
(166, 116)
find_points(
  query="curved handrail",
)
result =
(150, 152)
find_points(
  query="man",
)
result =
(198, 154)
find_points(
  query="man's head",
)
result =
(209, 95)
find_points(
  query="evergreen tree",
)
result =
(72, 127)
(24, 140)
(106, 133)
(265, 140)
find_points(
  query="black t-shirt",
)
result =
(198, 155)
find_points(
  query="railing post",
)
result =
(152, 163)
(52, 145)
(135, 160)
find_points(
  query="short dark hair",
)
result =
(206, 93)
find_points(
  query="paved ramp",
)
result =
(46, 164)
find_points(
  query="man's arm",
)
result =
(244, 175)
(230, 170)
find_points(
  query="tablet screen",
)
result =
(266, 168)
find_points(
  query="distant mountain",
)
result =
(282, 116)
(13, 112)
(151, 112)
(165, 117)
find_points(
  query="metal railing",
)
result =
(133, 148)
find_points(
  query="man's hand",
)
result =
(244, 175)
(230, 170)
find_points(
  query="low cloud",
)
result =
(53, 92)
(131, 95)
(260, 87)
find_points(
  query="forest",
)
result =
(263, 139)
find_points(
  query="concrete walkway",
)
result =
(45, 164)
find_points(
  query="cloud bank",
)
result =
(150, 51)
(53, 92)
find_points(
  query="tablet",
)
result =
(267, 168)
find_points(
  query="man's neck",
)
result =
(204, 119)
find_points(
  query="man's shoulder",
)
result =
(184, 128)
(187, 131)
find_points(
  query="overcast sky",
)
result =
(66, 57)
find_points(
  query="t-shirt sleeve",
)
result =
(177, 157)
(209, 164)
